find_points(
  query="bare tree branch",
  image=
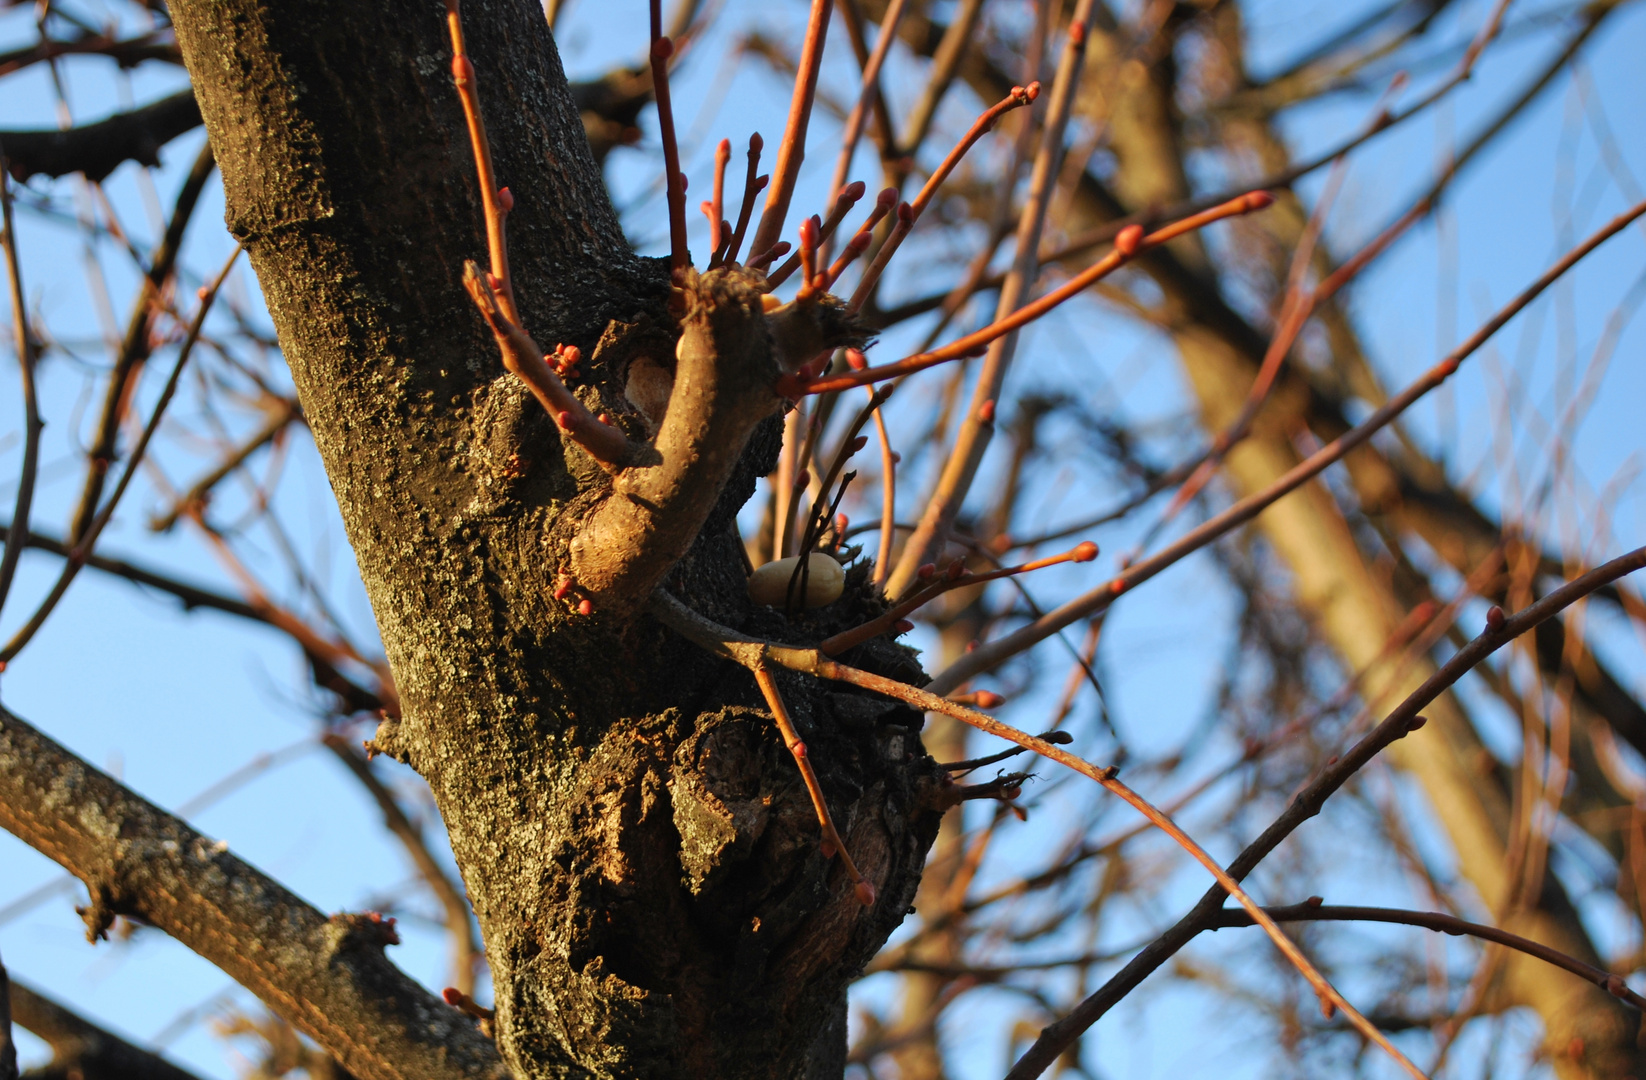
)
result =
(81, 1050)
(98, 149)
(328, 977)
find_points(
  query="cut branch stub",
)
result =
(725, 370)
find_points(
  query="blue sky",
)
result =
(172, 702)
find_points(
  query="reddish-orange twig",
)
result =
(715, 208)
(793, 147)
(752, 186)
(797, 748)
(843, 203)
(992, 653)
(522, 356)
(1128, 244)
(496, 203)
(957, 577)
(865, 97)
(1016, 99)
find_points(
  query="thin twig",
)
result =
(977, 426)
(1445, 924)
(792, 148)
(909, 213)
(797, 748)
(674, 181)
(84, 545)
(991, 654)
(32, 424)
(1128, 244)
(1058, 1036)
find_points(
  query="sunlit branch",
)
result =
(792, 148)
(1127, 245)
(1307, 803)
(992, 653)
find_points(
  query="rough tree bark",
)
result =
(636, 842)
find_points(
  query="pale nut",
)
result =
(824, 581)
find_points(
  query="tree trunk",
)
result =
(635, 840)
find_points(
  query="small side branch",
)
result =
(832, 844)
(525, 359)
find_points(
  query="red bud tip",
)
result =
(857, 444)
(462, 70)
(201, 293)
(897, 459)
(1417, 722)
(780, 249)
(1494, 618)
(988, 699)
(956, 570)
(662, 49)
(886, 199)
(971, 646)
(565, 419)
(854, 191)
(705, 207)
(562, 587)
(1257, 200)
(859, 243)
(905, 213)
(808, 233)
(926, 571)
(505, 199)
(760, 182)
(604, 418)
(903, 626)
(865, 893)
(1315, 901)
(572, 353)
(854, 357)
(453, 996)
(798, 749)
(826, 848)
(1085, 552)
(1077, 33)
(840, 522)
(1128, 240)
(585, 608)
(1011, 793)
(803, 479)
(985, 412)
(1032, 90)
(681, 177)
(1327, 1009)
(756, 143)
